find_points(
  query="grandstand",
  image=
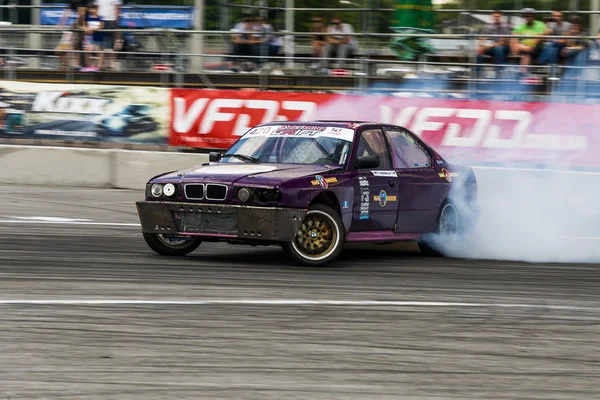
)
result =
(198, 53)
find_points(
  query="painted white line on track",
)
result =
(49, 219)
(10, 221)
(287, 302)
(67, 221)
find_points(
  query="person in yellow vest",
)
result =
(529, 49)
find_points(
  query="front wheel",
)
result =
(169, 246)
(319, 239)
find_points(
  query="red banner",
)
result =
(215, 119)
(549, 133)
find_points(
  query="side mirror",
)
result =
(367, 162)
(214, 156)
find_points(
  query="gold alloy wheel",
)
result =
(317, 237)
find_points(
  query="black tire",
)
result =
(428, 242)
(160, 246)
(332, 226)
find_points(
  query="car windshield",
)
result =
(132, 109)
(294, 144)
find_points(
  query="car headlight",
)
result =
(169, 189)
(244, 194)
(116, 123)
(156, 190)
(264, 195)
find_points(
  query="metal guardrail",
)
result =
(273, 8)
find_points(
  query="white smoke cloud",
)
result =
(534, 216)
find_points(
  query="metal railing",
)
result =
(373, 67)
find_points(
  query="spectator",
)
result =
(109, 11)
(574, 52)
(318, 39)
(530, 48)
(552, 48)
(63, 50)
(343, 46)
(273, 42)
(77, 8)
(497, 48)
(260, 40)
(243, 42)
(94, 38)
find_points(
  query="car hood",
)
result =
(250, 174)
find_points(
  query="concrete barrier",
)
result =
(132, 169)
(75, 167)
(56, 166)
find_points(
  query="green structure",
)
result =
(413, 17)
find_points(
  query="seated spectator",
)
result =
(318, 40)
(267, 44)
(243, 42)
(551, 48)
(574, 52)
(529, 49)
(497, 48)
(343, 46)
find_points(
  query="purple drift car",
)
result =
(310, 188)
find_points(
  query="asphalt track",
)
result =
(240, 323)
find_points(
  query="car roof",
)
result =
(352, 124)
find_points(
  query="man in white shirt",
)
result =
(343, 46)
(109, 11)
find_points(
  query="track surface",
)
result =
(253, 350)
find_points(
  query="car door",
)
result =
(375, 187)
(422, 187)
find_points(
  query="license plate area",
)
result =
(216, 223)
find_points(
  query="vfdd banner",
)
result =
(124, 114)
(215, 119)
(461, 130)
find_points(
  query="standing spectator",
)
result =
(318, 39)
(94, 38)
(343, 46)
(77, 8)
(529, 49)
(498, 48)
(109, 11)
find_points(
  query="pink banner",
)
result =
(461, 130)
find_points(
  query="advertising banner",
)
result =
(217, 118)
(140, 17)
(124, 114)
(461, 130)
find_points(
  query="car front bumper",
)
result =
(220, 221)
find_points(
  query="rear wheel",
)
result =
(171, 246)
(449, 223)
(319, 239)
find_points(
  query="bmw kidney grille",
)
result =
(210, 191)
(216, 192)
(194, 192)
